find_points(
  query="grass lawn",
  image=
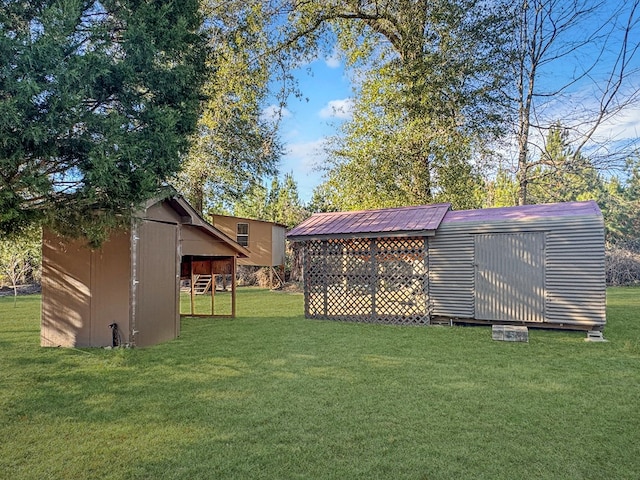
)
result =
(271, 395)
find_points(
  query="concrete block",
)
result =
(510, 333)
(594, 336)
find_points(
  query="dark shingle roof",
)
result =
(403, 221)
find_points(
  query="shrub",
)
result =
(622, 263)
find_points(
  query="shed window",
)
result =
(242, 234)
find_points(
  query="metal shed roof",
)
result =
(403, 221)
(425, 219)
(524, 212)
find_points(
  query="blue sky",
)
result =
(307, 122)
(327, 93)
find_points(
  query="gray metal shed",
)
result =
(535, 265)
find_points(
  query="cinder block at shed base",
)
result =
(510, 333)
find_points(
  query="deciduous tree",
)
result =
(236, 144)
(20, 257)
(575, 60)
(428, 79)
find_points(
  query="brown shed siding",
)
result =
(132, 280)
(194, 241)
(278, 233)
(156, 283)
(110, 274)
(73, 314)
(266, 240)
(67, 285)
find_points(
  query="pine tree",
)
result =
(97, 100)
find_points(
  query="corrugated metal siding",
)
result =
(574, 267)
(451, 275)
(509, 277)
(575, 275)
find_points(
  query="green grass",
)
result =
(202, 303)
(271, 395)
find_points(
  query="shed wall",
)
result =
(110, 289)
(84, 290)
(451, 273)
(575, 278)
(509, 276)
(574, 284)
(194, 241)
(278, 241)
(266, 240)
(162, 212)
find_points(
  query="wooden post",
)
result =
(213, 289)
(193, 301)
(233, 287)
(373, 278)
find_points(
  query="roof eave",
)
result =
(389, 234)
(191, 217)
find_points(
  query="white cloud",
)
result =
(304, 160)
(275, 112)
(341, 109)
(625, 125)
(579, 110)
(333, 60)
(305, 155)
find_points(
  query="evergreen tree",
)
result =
(560, 175)
(97, 100)
(620, 204)
(502, 191)
(280, 203)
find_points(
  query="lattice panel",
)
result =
(367, 280)
(402, 278)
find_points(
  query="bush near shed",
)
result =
(622, 263)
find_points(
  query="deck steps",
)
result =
(202, 284)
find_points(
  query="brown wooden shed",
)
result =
(133, 280)
(264, 240)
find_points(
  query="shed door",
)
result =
(510, 277)
(157, 308)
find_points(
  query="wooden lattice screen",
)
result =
(367, 280)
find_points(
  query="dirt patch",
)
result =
(291, 287)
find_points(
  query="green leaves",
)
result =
(427, 74)
(279, 203)
(20, 257)
(234, 146)
(97, 101)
